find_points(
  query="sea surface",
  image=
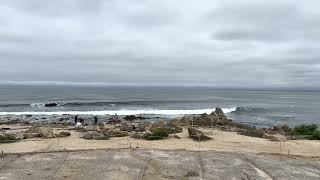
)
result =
(260, 108)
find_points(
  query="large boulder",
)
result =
(38, 131)
(126, 126)
(219, 111)
(115, 133)
(63, 134)
(197, 135)
(95, 135)
(217, 117)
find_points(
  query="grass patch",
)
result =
(305, 129)
(160, 133)
(8, 138)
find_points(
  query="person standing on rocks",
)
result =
(95, 120)
(76, 119)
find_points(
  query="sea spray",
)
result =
(123, 112)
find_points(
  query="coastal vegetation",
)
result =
(7, 138)
(306, 131)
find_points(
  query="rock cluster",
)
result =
(217, 117)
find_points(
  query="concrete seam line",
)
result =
(259, 170)
(145, 168)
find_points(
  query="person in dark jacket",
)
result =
(76, 119)
(95, 120)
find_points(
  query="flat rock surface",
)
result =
(154, 164)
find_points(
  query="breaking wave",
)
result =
(124, 112)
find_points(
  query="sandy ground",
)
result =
(222, 141)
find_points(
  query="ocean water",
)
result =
(260, 108)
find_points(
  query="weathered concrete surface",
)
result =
(154, 164)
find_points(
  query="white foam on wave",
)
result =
(37, 105)
(123, 112)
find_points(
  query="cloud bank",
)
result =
(238, 43)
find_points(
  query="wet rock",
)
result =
(51, 105)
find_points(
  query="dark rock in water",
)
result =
(241, 110)
(28, 115)
(125, 126)
(51, 105)
(219, 111)
(133, 117)
(197, 135)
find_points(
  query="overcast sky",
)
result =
(254, 43)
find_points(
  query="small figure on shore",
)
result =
(95, 120)
(76, 119)
(81, 121)
(79, 125)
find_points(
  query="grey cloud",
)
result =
(235, 43)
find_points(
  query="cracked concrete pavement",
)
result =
(139, 164)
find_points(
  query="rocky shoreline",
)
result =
(138, 127)
(215, 131)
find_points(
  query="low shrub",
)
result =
(316, 135)
(159, 133)
(305, 129)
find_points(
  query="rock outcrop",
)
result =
(38, 131)
(197, 135)
(93, 135)
(217, 117)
